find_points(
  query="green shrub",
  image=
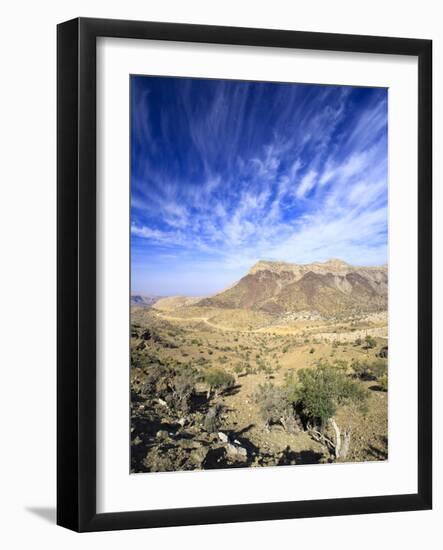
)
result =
(218, 380)
(321, 390)
(370, 342)
(361, 370)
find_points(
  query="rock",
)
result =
(231, 449)
(242, 452)
(196, 457)
(162, 434)
(223, 437)
(235, 452)
(162, 402)
(182, 422)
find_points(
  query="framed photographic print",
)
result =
(244, 274)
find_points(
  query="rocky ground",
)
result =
(171, 423)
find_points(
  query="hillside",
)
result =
(327, 288)
(173, 302)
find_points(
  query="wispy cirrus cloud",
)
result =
(306, 184)
(224, 173)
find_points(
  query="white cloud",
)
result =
(306, 184)
(261, 207)
(353, 165)
(146, 232)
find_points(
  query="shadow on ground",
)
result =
(290, 457)
(46, 513)
(379, 452)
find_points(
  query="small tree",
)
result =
(321, 391)
(276, 406)
(218, 380)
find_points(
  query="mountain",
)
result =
(143, 300)
(328, 288)
(174, 302)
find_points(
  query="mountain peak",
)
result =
(336, 262)
(329, 287)
(276, 266)
(272, 265)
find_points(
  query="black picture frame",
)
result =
(76, 281)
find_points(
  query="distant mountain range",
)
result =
(144, 300)
(325, 287)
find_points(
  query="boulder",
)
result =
(237, 453)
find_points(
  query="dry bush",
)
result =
(213, 418)
(276, 407)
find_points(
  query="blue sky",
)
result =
(224, 173)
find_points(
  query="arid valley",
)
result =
(287, 366)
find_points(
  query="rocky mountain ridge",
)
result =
(327, 288)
